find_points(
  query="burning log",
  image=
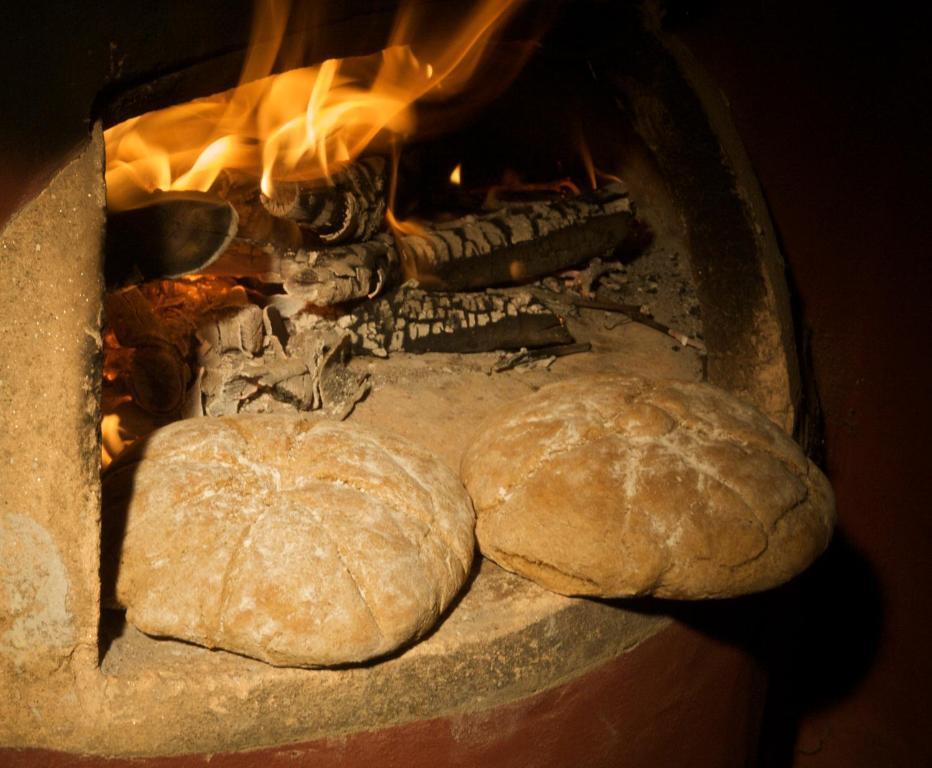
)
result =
(336, 275)
(256, 224)
(323, 277)
(513, 244)
(176, 234)
(412, 320)
(350, 209)
(518, 242)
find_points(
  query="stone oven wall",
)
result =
(50, 305)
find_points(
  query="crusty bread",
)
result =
(616, 486)
(292, 539)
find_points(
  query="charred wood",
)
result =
(158, 379)
(512, 360)
(176, 234)
(304, 372)
(132, 319)
(638, 315)
(256, 224)
(234, 329)
(336, 275)
(251, 259)
(351, 208)
(413, 320)
(518, 242)
(323, 276)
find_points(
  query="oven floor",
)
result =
(504, 638)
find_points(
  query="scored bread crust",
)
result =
(614, 485)
(288, 538)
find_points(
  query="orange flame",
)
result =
(112, 442)
(301, 124)
(586, 156)
(593, 174)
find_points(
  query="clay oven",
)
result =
(695, 290)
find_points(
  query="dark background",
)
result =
(832, 100)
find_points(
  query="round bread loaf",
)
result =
(291, 539)
(618, 486)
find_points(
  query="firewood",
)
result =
(321, 276)
(256, 224)
(510, 245)
(336, 275)
(348, 208)
(413, 320)
(176, 234)
(518, 242)
(234, 329)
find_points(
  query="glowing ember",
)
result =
(301, 124)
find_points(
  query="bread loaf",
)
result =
(617, 486)
(287, 538)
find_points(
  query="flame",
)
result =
(112, 443)
(398, 226)
(456, 176)
(593, 174)
(302, 124)
(586, 156)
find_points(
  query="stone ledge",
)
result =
(506, 639)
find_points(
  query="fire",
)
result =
(112, 442)
(593, 174)
(456, 175)
(586, 156)
(301, 124)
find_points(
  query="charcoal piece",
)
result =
(132, 319)
(527, 357)
(340, 388)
